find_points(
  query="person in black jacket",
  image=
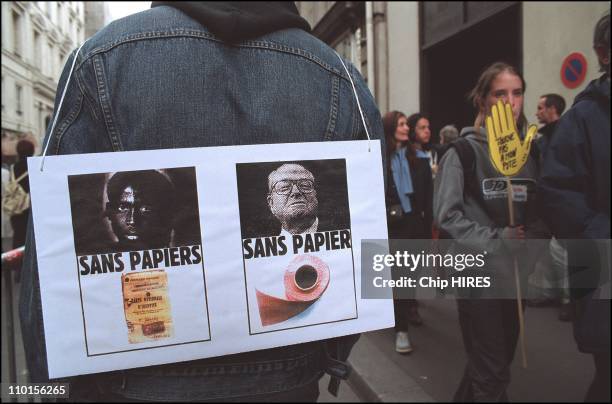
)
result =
(420, 134)
(574, 197)
(420, 168)
(550, 108)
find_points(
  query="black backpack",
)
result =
(466, 155)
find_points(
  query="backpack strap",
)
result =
(22, 176)
(467, 156)
(336, 352)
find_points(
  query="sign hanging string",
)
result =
(358, 103)
(59, 107)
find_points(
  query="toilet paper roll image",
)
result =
(305, 280)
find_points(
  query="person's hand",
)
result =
(434, 169)
(514, 233)
(514, 238)
(508, 153)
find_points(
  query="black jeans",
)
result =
(401, 309)
(490, 331)
(411, 226)
(19, 223)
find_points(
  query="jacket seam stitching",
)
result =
(331, 127)
(304, 356)
(317, 375)
(106, 111)
(66, 122)
(355, 114)
(88, 99)
(195, 34)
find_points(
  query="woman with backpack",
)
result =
(471, 207)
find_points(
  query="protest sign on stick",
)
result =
(509, 154)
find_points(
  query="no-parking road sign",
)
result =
(573, 70)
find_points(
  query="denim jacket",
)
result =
(160, 80)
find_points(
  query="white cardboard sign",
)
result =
(163, 256)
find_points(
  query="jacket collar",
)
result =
(236, 21)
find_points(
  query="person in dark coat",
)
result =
(550, 108)
(19, 222)
(574, 197)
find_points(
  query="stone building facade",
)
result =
(37, 38)
(426, 56)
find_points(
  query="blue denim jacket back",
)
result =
(159, 80)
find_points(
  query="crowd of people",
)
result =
(567, 168)
(434, 190)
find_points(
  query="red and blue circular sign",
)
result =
(573, 70)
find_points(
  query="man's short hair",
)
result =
(601, 36)
(556, 101)
(150, 183)
(449, 133)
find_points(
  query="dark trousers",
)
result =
(19, 223)
(490, 331)
(409, 227)
(401, 308)
(599, 391)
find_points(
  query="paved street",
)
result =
(556, 370)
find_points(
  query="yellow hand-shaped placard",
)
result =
(507, 152)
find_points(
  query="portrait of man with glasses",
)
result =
(292, 199)
(287, 198)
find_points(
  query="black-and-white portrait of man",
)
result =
(294, 197)
(140, 209)
(134, 210)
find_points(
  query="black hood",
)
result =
(235, 21)
(598, 90)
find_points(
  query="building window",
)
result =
(348, 45)
(19, 99)
(37, 50)
(48, 67)
(17, 33)
(58, 64)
